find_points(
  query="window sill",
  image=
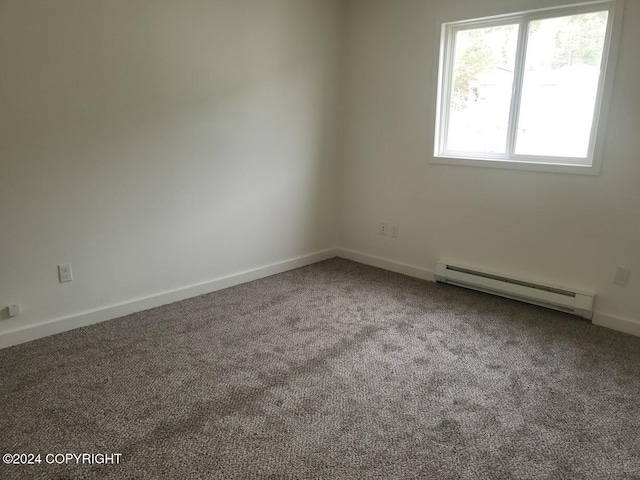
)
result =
(516, 165)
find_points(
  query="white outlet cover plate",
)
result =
(622, 276)
(65, 273)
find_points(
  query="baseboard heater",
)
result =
(577, 303)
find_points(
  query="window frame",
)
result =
(589, 165)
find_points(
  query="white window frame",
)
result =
(589, 165)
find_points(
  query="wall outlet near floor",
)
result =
(14, 310)
(384, 227)
(65, 273)
(394, 230)
(622, 276)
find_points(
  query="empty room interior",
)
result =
(320, 239)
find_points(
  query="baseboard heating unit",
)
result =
(577, 303)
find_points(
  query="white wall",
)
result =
(159, 144)
(565, 229)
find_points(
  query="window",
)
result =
(527, 90)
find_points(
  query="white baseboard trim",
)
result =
(59, 325)
(625, 325)
(385, 263)
(52, 327)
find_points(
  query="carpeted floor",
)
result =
(336, 370)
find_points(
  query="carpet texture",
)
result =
(336, 370)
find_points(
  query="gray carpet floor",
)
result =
(336, 370)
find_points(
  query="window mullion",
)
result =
(516, 92)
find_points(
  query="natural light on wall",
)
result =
(526, 89)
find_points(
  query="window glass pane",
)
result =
(560, 85)
(483, 66)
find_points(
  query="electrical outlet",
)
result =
(622, 276)
(65, 273)
(394, 230)
(14, 310)
(384, 226)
